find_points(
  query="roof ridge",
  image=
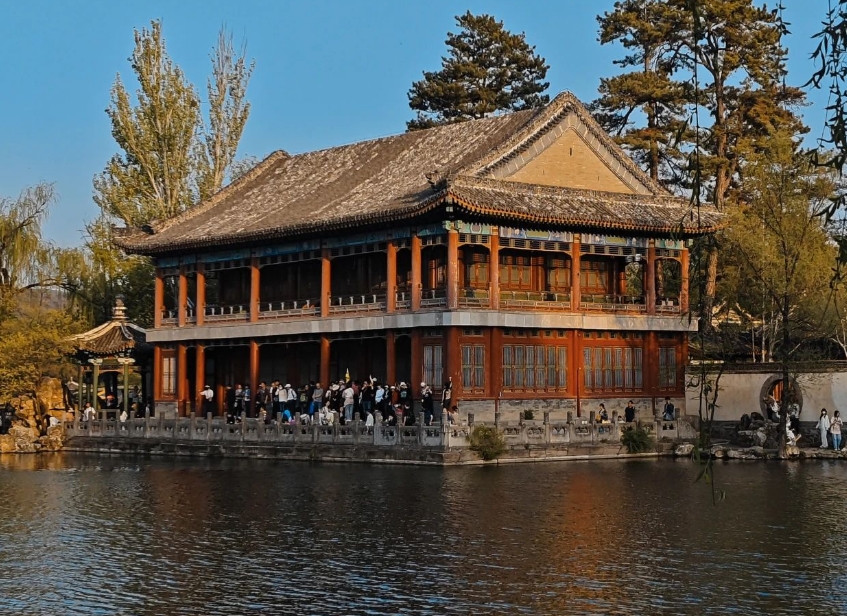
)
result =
(546, 119)
(472, 181)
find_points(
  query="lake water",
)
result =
(123, 535)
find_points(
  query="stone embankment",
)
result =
(732, 452)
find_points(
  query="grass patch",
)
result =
(637, 440)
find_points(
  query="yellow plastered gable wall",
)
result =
(570, 162)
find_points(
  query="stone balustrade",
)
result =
(437, 437)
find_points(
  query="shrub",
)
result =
(487, 442)
(637, 440)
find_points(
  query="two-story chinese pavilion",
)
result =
(524, 255)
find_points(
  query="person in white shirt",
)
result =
(823, 425)
(207, 395)
(348, 400)
(88, 413)
(291, 395)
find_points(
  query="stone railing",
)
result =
(433, 298)
(248, 430)
(290, 308)
(368, 302)
(615, 303)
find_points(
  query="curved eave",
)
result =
(384, 216)
(587, 223)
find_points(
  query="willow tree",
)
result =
(32, 336)
(487, 70)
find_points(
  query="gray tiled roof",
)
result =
(403, 176)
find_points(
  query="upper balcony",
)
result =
(449, 273)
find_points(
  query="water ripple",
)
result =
(111, 535)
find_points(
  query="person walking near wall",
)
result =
(835, 430)
(823, 426)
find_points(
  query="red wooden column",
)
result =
(576, 248)
(417, 362)
(650, 278)
(651, 365)
(495, 362)
(452, 269)
(200, 303)
(391, 276)
(157, 372)
(254, 372)
(324, 369)
(181, 377)
(494, 268)
(326, 281)
(683, 288)
(255, 282)
(182, 301)
(417, 274)
(390, 358)
(453, 361)
(158, 299)
(199, 377)
(220, 398)
(575, 368)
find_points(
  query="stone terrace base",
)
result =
(447, 444)
(348, 453)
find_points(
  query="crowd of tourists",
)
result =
(369, 400)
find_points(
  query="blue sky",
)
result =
(327, 72)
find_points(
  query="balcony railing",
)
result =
(613, 303)
(432, 298)
(402, 300)
(540, 300)
(669, 305)
(474, 298)
(369, 302)
(227, 312)
(289, 308)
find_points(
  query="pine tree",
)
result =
(645, 29)
(488, 70)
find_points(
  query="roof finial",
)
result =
(119, 313)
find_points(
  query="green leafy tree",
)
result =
(33, 345)
(170, 159)
(228, 113)
(152, 178)
(781, 249)
(487, 70)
